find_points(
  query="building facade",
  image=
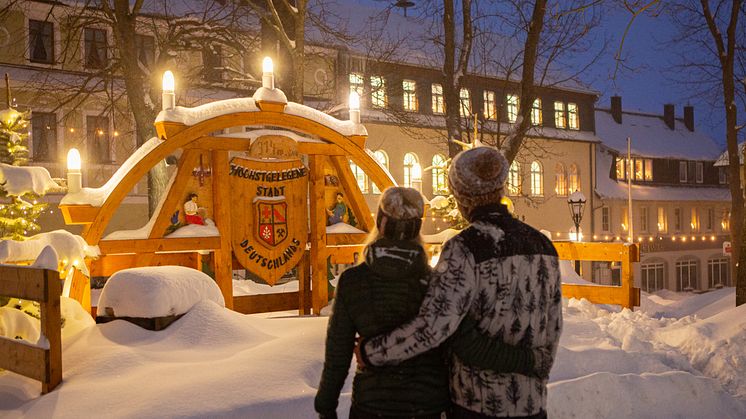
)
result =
(680, 200)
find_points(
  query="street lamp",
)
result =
(576, 202)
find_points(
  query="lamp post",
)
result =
(576, 202)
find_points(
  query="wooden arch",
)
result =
(333, 151)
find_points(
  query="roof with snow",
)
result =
(651, 137)
(608, 188)
(724, 159)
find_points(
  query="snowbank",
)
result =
(97, 196)
(343, 228)
(15, 323)
(249, 287)
(157, 291)
(69, 247)
(20, 180)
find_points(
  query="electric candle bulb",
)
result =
(169, 84)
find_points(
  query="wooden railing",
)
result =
(43, 363)
(625, 295)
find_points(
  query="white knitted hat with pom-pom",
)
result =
(477, 176)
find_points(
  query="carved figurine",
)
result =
(192, 210)
(338, 212)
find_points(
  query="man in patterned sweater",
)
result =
(502, 271)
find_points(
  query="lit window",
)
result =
(686, 274)
(410, 95)
(725, 221)
(438, 101)
(382, 158)
(490, 112)
(700, 172)
(695, 220)
(625, 218)
(536, 118)
(662, 220)
(514, 179)
(652, 276)
(718, 272)
(644, 219)
(648, 170)
(378, 92)
(512, 108)
(559, 115)
(412, 171)
(560, 180)
(638, 169)
(97, 139)
(537, 179)
(621, 168)
(440, 183)
(572, 116)
(605, 219)
(356, 84)
(574, 178)
(465, 98)
(360, 177)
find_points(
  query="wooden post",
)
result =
(319, 288)
(304, 284)
(52, 329)
(80, 287)
(222, 259)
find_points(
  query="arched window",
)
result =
(412, 171)
(383, 159)
(560, 180)
(653, 275)
(514, 179)
(686, 273)
(440, 184)
(717, 271)
(537, 179)
(360, 177)
(574, 178)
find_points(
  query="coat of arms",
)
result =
(272, 227)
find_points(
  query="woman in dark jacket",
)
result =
(378, 295)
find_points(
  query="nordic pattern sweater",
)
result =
(377, 296)
(506, 275)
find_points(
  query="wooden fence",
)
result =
(625, 295)
(40, 363)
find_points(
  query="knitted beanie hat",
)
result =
(400, 213)
(477, 176)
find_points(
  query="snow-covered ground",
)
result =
(679, 355)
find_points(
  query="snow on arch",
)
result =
(97, 196)
(20, 180)
(67, 246)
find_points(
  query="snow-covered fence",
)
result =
(625, 295)
(42, 361)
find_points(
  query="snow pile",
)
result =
(156, 291)
(20, 180)
(212, 362)
(343, 228)
(193, 116)
(70, 248)
(264, 94)
(249, 287)
(343, 127)
(17, 324)
(196, 230)
(97, 196)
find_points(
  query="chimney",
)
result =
(689, 117)
(668, 115)
(616, 108)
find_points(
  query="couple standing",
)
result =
(473, 338)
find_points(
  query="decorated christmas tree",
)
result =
(19, 210)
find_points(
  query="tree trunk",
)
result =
(453, 71)
(726, 55)
(527, 96)
(298, 54)
(124, 26)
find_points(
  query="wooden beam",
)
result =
(243, 144)
(22, 358)
(221, 201)
(319, 287)
(345, 238)
(262, 303)
(346, 254)
(23, 282)
(304, 284)
(613, 252)
(78, 214)
(176, 193)
(51, 327)
(107, 265)
(159, 245)
(356, 199)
